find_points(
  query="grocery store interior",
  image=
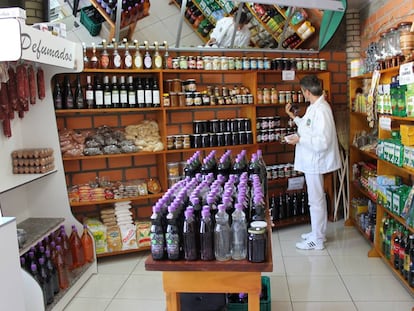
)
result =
(341, 277)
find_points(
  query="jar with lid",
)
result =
(273, 96)
(257, 244)
(198, 101)
(311, 64)
(208, 64)
(288, 97)
(394, 42)
(406, 38)
(205, 99)
(199, 62)
(216, 64)
(174, 99)
(191, 62)
(260, 63)
(266, 96)
(189, 99)
(166, 100)
(305, 64)
(181, 99)
(183, 62)
(175, 63)
(282, 97)
(322, 64)
(294, 96)
(231, 63)
(224, 63)
(245, 63)
(300, 97)
(266, 63)
(299, 64)
(253, 63)
(238, 64)
(316, 64)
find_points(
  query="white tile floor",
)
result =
(340, 277)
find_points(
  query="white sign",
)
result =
(13, 50)
(288, 75)
(43, 47)
(385, 123)
(406, 73)
(296, 183)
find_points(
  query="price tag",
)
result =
(406, 73)
(385, 123)
(288, 75)
(296, 183)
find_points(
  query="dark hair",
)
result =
(243, 18)
(312, 84)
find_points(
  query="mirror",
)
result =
(12, 37)
(271, 26)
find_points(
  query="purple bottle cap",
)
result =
(238, 206)
(205, 213)
(33, 267)
(221, 207)
(206, 208)
(210, 199)
(188, 213)
(41, 260)
(47, 253)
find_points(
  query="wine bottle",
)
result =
(98, 93)
(79, 96)
(156, 102)
(123, 93)
(115, 93)
(148, 93)
(107, 94)
(147, 57)
(68, 94)
(89, 93)
(127, 63)
(131, 93)
(140, 94)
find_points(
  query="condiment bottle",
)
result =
(104, 58)
(127, 64)
(157, 57)
(147, 57)
(116, 58)
(61, 268)
(137, 56)
(189, 236)
(222, 235)
(206, 235)
(239, 233)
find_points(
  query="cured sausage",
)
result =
(7, 127)
(32, 84)
(22, 89)
(41, 91)
(12, 91)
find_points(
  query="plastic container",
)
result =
(265, 302)
(173, 169)
(92, 24)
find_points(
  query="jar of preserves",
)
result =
(224, 63)
(305, 64)
(174, 99)
(183, 62)
(181, 99)
(259, 96)
(199, 62)
(288, 96)
(231, 63)
(197, 99)
(208, 65)
(266, 63)
(238, 64)
(216, 64)
(299, 64)
(282, 97)
(246, 63)
(175, 63)
(189, 99)
(192, 62)
(253, 63)
(266, 96)
(273, 96)
(166, 100)
(322, 64)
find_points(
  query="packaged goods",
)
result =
(114, 241)
(129, 237)
(98, 230)
(143, 233)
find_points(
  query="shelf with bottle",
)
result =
(123, 252)
(111, 201)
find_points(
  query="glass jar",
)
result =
(257, 244)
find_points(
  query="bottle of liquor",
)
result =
(116, 57)
(147, 57)
(190, 236)
(79, 97)
(273, 208)
(87, 244)
(115, 93)
(138, 62)
(94, 62)
(157, 234)
(148, 93)
(167, 57)
(104, 57)
(57, 96)
(48, 285)
(107, 93)
(86, 63)
(172, 236)
(132, 101)
(36, 275)
(68, 94)
(78, 256)
(157, 57)
(206, 235)
(123, 93)
(156, 101)
(52, 271)
(127, 64)
(98, 93)
(89, 93)
(140, 94)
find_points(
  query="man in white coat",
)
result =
(222, 34)
(316, 153)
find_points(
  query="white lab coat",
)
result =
(223, 33)
(317, 151)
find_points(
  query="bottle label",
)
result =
(147, 62)
(148, 96)
(157, 245)
(131, 98)
(104, 61)
(123, 96)
(141, 97)
(89, 95)
(158, 62)
(107, 99)
(172, 240)
(115, 97)
(117, 61)
(128, 61)
(156, 97)
(99, 98)
(138, 62)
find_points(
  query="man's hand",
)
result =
(288, 111)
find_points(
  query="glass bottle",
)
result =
(132, 101)
(123, 93)
(206, 236)
(57, 96)
(94, 62)
(47, 281)
(79, 97)
(86, 63)
(140, 94)
(36, 275)
(157, 234)
(156, 101)
(147, 57)
(167, 57)
(68, 94)
(104, 57)
(127, 55)
(89, 93)
(63, 240)
(87, 244)
(61, 268)
(157, 57)
(172, 236)
(107, 93)
(148, 93)
(189, 236)
(410, 276)
(222, 235)
(76, 248)
(115, 92)
(138, 62)
(239, 233)
(116, 61)
(52, 271)
(98, 93)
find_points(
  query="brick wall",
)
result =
(35, 11)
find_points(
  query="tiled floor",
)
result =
(339, 278)
(161, 25)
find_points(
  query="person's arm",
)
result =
(244, 39)
(217, 32)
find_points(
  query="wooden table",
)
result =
(234, 276)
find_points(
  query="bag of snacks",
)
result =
(143, 233)
(98, 230)
(129, 237)
(114, 241)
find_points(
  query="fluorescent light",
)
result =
(332, 5)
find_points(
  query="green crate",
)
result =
(88, 19)
(264, 303)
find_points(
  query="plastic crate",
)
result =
(265, 303)
(91, 19)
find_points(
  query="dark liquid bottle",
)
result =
(157, 235)
(123, 93)
(89, 93)
(206, 236)
(48, 284)
(140, 94)
(79, 97)
(148, 93)
(132, 101)
(61, 268)
(68, 95)
(36, 275)
(115, 93)
(57, 96)
(99, 97)
(189, 236)
(107, 93)
(156, 102)
(172, 236)
(52, 271)
(76, 248)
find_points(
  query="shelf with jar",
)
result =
(132, 12)
(390, 184)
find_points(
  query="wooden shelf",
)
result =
(133, 199)
(127, 251)
(297, 220)
(67, 112)
(117, 155)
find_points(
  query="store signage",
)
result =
(43, 47)
(385, 123)
(296, 183)
(406, 73)
(12, 37)
(288, 75)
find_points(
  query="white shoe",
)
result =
(310, 244)
(307, 236)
